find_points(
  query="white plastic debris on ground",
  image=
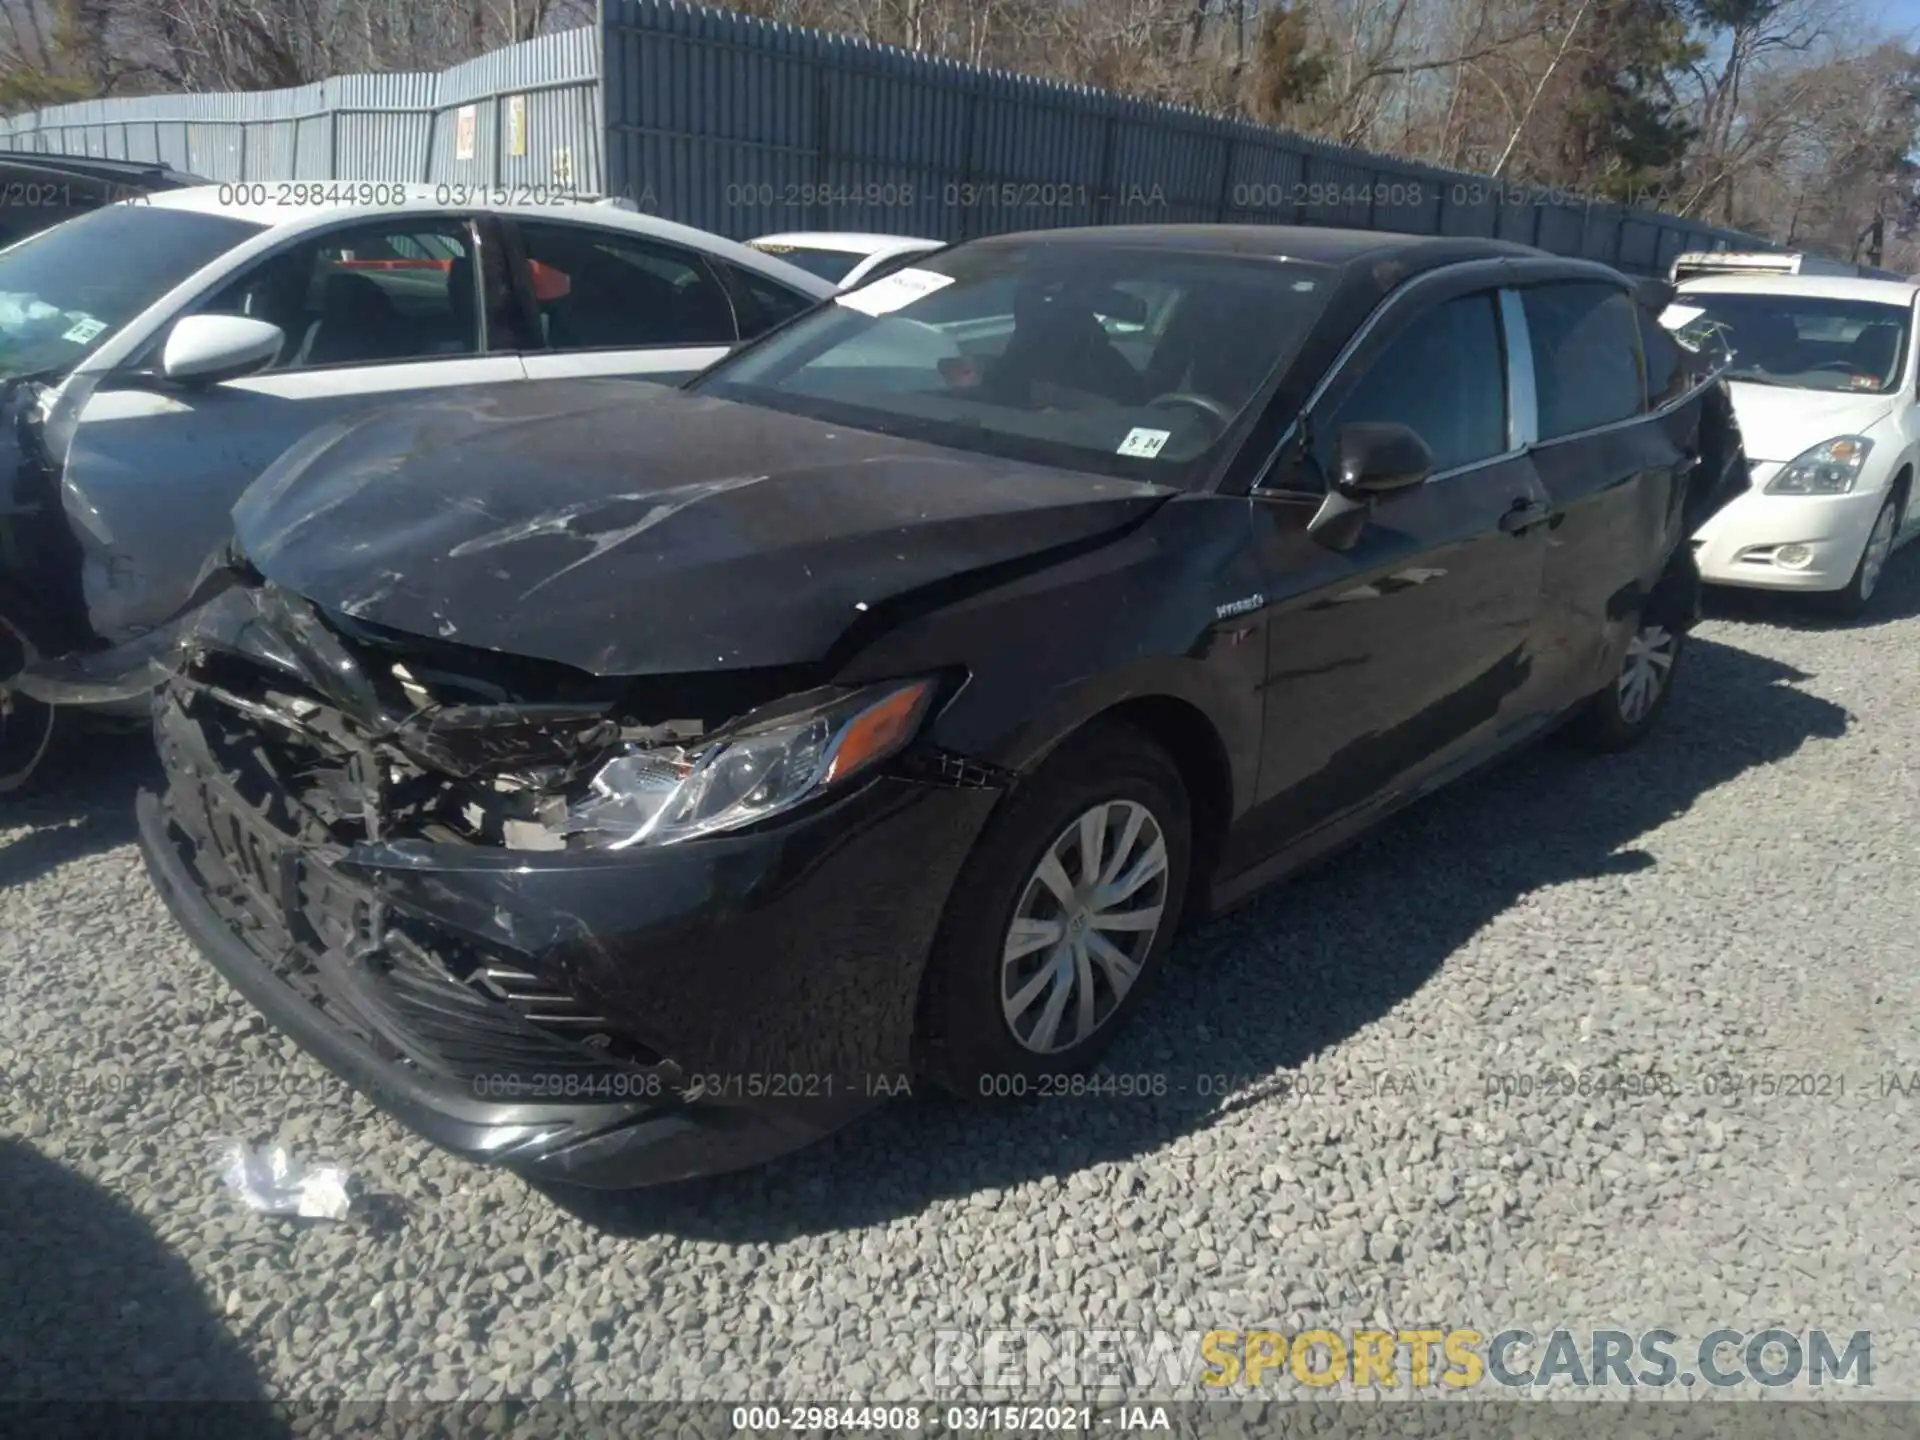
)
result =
(271, 1181)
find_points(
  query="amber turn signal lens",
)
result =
(878, 731)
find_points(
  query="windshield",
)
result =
(829, 265)
(1125, 361)
(1803, 342)
(68, 290)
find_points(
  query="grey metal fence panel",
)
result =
(214, 149)
(1264, 179)
(1639, 245)
(745, 126)
(526, 115)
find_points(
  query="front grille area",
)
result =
(420, 996)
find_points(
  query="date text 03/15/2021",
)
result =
(909, 1419)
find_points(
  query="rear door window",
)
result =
(1587, 367)
(607, 290)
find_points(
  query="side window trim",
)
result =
(1523, 395)
(704, 263)
(739, 296)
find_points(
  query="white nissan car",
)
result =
(1824, 373)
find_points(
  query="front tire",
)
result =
(1623, 714)
(1060, 920)
(1851, 601)
(29, 730)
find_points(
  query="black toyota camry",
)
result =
(624, 783)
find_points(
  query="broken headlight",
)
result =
(740, 776)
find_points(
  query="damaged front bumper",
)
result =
(600, 1018)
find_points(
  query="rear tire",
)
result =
(1851, 601)
(1041, 959)
(29, 731)
(1624, 713)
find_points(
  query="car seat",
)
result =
(1876, 350)
(1767, 340)
(357, 322)
(1058, 340)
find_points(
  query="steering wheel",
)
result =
(1205, 404)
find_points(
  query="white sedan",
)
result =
(846, 257)
(1824, 374)
(158, 354)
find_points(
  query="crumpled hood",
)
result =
(1780, 424)
(628, 529)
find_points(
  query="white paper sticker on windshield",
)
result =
(891, 292)
(1144, 443)
(85, 332)
(1674, 316)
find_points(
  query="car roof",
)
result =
(415, 199)
(98, 167)
(1827, 287)
(1312, 243)
(848, 242)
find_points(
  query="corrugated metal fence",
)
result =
(528, 114)
(743, 126)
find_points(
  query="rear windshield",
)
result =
(1800, 342)
(1120, 360)
(830, 265)
(67, 291)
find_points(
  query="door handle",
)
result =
(1524, 515)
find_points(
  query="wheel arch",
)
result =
(1198, 752)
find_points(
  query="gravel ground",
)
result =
(1738, 896)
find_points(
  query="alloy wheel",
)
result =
(1086, 921)
(1879, 549)
(1644, 672)
(26, 726)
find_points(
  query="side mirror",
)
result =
(1655, 295)
(1374, 460)
(1379, 459)
(206, 349)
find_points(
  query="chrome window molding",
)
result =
(1523, 398)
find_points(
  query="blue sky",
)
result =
(1899, 15)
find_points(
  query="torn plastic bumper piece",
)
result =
(221, 612)
(596, 1018)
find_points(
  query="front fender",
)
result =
(1158, 615)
